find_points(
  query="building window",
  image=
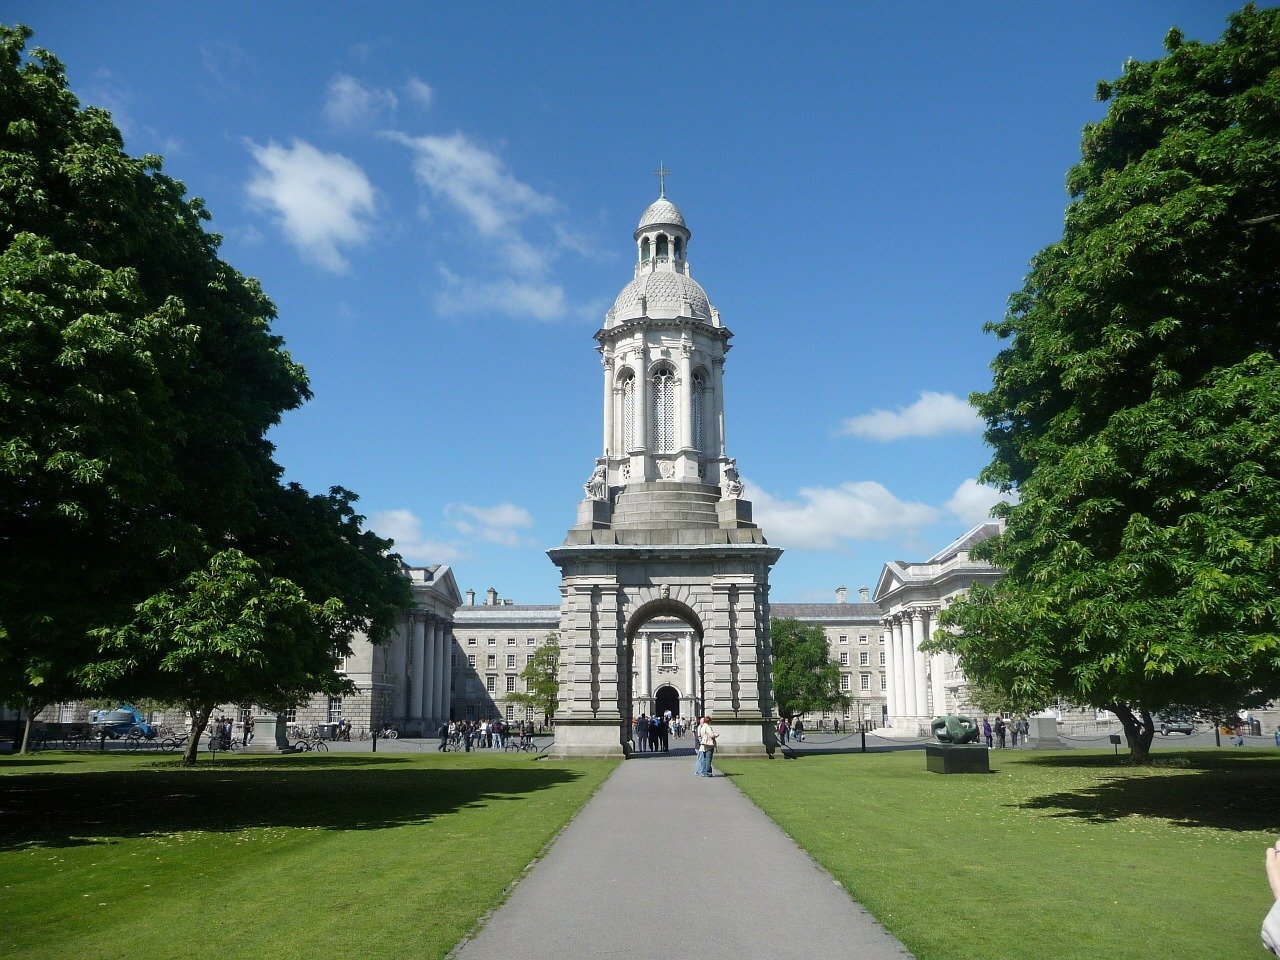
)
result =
(491, 683)
(862, 638)
(698, 401)
(471, 660)
(451, 685)
(664, 411)
(491, 661)
(335, 709)
(864, 658)
(844, 682)
(531, 642)
(528, 658)
(471, 641)
(291, 715)
(864, 681)
(511, 683)
(511, 712)
(493, 641)
(882, 658)
(511, 661)
(844, 638)
(668, 653)
(844, 658)
(884, 682)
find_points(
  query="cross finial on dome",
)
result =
(662, 173)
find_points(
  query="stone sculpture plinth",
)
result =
(957, 749)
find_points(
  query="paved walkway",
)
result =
(662, 864)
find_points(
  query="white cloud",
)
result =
(930, 416)
(321, 200)
(350, 104)
(405, 529)
(972, 502)
(508, 296)
(476, 183)
(420, 92)
(498, 524)
(824, 517)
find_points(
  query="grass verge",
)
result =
(1065, 856)
(314, 856)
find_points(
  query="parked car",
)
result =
(1170, 725)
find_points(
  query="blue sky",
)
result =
(440, 200)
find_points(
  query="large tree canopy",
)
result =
(805, 678)
(138, 378)
(1136, 409)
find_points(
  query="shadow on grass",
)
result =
(56, 809)
(1208, 789)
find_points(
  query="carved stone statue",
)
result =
(597, 485)
(731, 487)
(954, 728)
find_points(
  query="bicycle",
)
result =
(311, 743)
(218, 745)
(520, 745)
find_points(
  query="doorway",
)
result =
(667, 698)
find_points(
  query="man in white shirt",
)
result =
(1271, 923)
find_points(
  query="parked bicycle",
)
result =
(308, 744)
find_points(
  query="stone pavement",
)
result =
(662, 864)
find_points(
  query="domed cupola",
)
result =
(662, 238)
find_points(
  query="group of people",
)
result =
(652, 734)
(1003, 729)
(223, 729)
(477, 734)
(788, 730)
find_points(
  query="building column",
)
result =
(448, 674)
(691, 674)
(922, 687)
(900, 667)
(442, 671)
(937, 666)
(607, 361)
(646, 673)
(640, 464)
(429, 686)
(417, 628)
(717, 377)
(890, 674)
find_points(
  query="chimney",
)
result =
(864, 594)
(839, 594)
(491, 597)
(471, 598)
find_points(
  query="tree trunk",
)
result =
(199, 721)
(1139, 731)
(30, 708)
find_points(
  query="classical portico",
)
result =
(664, 532)
(922, 685)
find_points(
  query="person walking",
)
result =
(986, 731)
(1000, 731)
(248, 730)
(664, 733)
(783, 730)
(707, 740)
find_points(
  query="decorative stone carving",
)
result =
(666, 469)
(597, 486)
(731, 488)
(666, 591)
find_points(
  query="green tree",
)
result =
(805, 678)
(1136, 409)
(138, 378)
(541, 677)
(229, 634)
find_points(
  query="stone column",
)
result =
(922, 688)
(890, 677)
(610, 648)
(901, 664)
(646, 673)
(642, 412)
(937, 666)
(717, 378)
(718, 656)
(691, 673)
(607, 361)
(429, 686)
(417, 640)
(442, 671)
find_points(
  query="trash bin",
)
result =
(1255, 727)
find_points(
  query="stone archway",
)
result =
(610, 591)
(666, 699)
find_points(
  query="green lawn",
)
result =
(1052, 857)
(322, 855)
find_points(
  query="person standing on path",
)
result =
(986, 731)
(707, 740)
(782, 731)
(247, 730)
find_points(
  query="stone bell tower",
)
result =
(664, 530)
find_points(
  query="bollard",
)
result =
(864, 739)
(375, 740)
